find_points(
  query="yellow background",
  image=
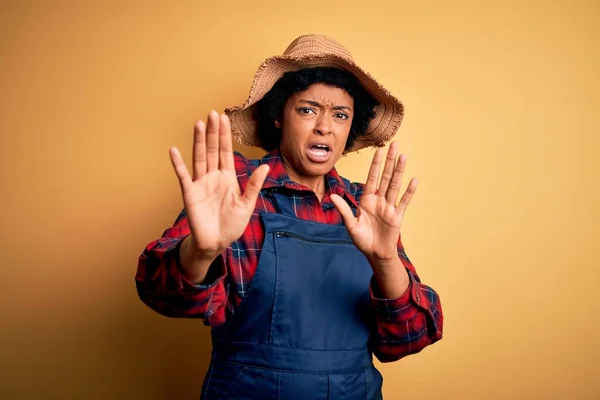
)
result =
(502, 128)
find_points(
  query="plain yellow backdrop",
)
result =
(502, 128)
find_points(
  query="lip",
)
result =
(318, 156)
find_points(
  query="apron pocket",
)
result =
(364, 385)
(303, 386)
(229, 381)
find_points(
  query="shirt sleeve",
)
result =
(162, 286)
(408, 324)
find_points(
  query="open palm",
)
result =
(216, 209)
(376, 228)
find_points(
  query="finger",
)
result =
(396, 182)
(388, 170)
(212, 142)
(371, 185)
(199, 150)
(225, 146)
(254, 185)
(407, 196)
(345, 210)
(185, 181)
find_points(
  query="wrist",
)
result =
(391, 276)
(191, 252)
(385, 263)
(195, 263)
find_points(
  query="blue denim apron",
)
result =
(302, 331)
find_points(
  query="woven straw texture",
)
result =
(317, 51)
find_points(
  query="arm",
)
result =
(406, 324)
(163, 285)
(408, 315)
(182, 273)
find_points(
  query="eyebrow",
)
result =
(316, 104)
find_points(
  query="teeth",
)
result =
(318, 151)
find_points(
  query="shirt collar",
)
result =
(278, 177)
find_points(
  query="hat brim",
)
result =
(388, 114)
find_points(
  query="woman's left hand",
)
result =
(376, 228)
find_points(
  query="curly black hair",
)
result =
(270, 107)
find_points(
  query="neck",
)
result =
(315, 183)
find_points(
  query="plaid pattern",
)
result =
(402, 326)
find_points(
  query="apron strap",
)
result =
(282, 203)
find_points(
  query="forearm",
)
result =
(163, 284)
(391, 277)
(407, 323)
(195, 265)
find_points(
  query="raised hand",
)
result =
(216, 209)
(376, 228)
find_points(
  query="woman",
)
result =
(300, 273)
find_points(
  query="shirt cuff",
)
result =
(401, 309)
(217, 271)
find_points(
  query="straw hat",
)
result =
(309, 51)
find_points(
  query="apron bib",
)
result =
(302, 331)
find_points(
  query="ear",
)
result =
(277, 124)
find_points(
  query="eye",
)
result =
(341, 116)
(305, 110)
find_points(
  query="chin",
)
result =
(318, 169)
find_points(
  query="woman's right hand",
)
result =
(217, 211)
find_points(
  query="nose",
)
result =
(323, 126)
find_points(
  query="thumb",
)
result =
(345, 210)
(254, 185)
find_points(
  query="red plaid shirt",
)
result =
(403, 326)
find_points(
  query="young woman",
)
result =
(300, 273)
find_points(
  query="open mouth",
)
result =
(319, 152)
(319, 148)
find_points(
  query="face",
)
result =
(316, 124)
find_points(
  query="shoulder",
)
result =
(353, 188)
(244, 167)
(243, 163)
